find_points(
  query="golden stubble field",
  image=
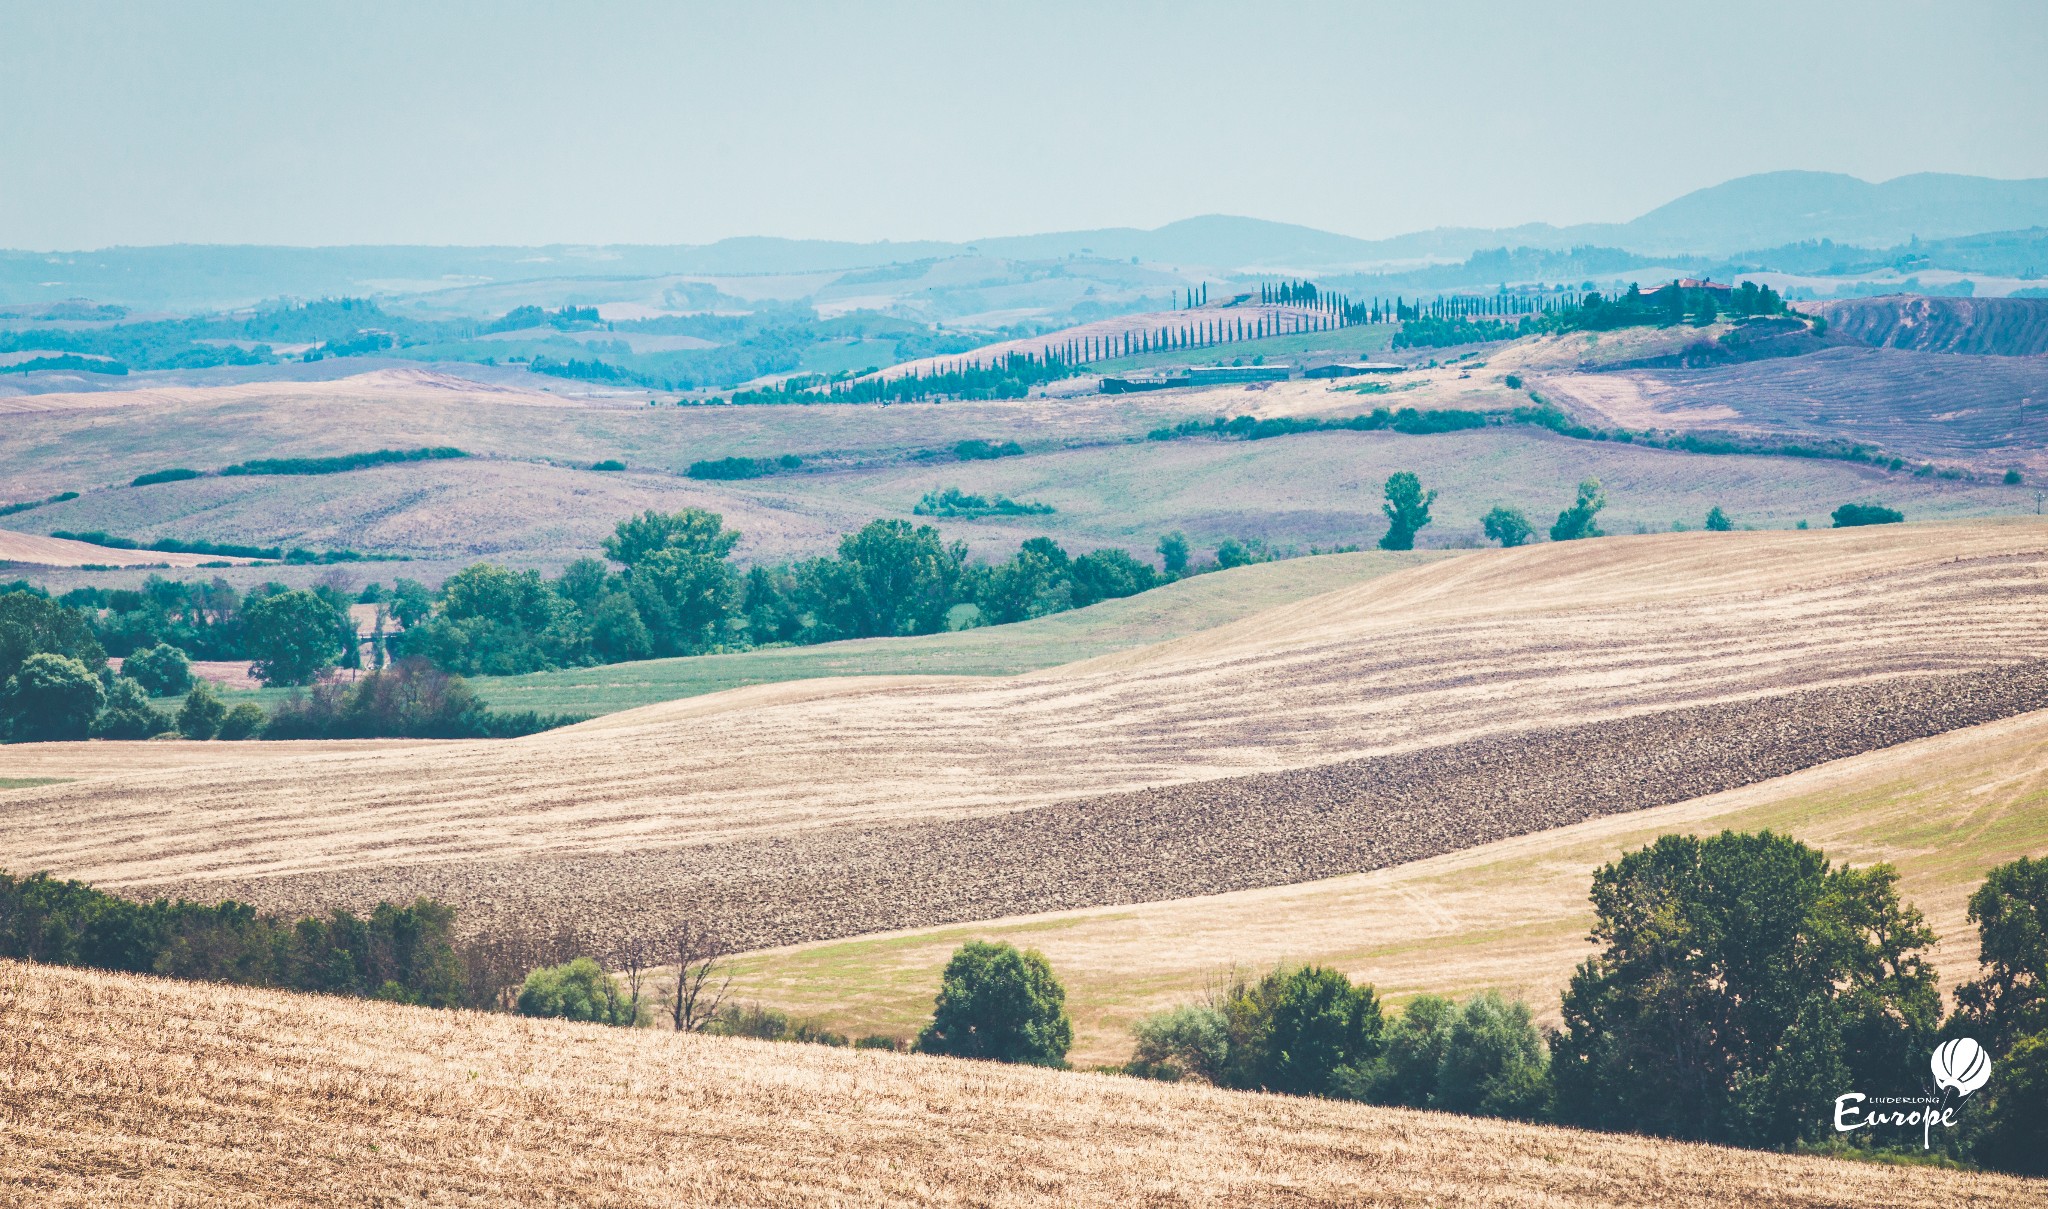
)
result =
(1484, 644)
(121, 1090)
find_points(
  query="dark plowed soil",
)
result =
(2007, 327)
(1194, 839)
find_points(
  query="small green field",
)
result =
(30, 782)
(1362, 338)
(1186, 607)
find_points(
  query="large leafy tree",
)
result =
(890, 578)
(996, 1002)
(50, 696)
(1577, 521)
(33, 624)
(2010, 1000)
(1319, 1027)
(692, 529)
(1039, 580)
(290, 636)
(1743, 982)
(1407, 510)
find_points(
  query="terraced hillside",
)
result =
(1370, 726)
(318, 1101)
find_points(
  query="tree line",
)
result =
(1444, 324)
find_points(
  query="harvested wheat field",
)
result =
(35, 550)
(124, 1090)
(1608, 676)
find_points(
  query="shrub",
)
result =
(1849, 516)
(49, 697)
(1494, 1063)
(878, 1041)
(202, 714)
(1507, 526)
(577, 990)
(1412, 1054)
(742, 468)
(1181, 1043)
(768, 1024)
(2012, 478)
(608, 464)
(1514, 381)
(1717, 520)
(245, 721)
(980, 450)
(997, 1003)
(1576, 521)
(162, 670)
(128, 714)
(163, 476)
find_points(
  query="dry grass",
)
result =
(1481, 645)
(1510, 915)
(123, 1090)
(35, 550)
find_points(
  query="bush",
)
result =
(768, 1024)
(1849, 516)
(50, 697)
(178, 475)
(1187, 1042)
(1717, 520)
(202, 714)
(128, 714)
(608, 464)
(1494, 1063)
(997, 1003)
(878, 1041)
(1507, 526)
(162, 670)
(1412, 1054)
(245, 721)
(980, 450)
(577, 990)
(2012, 478)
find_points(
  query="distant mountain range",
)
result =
(1745, 214)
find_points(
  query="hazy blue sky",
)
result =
(658, 123)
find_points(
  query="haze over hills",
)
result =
(1740, 215)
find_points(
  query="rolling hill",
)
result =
(232, 1097)
(1467, 700)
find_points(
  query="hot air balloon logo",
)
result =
(1961, 1064)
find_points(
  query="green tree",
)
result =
(1188, 1042)
(49, 697)
(128, 714)
(1577, 521)
(201, 715)
(891, 578)
(1717, 520)
(684, 596)
(2014, 1131)
(616, 632)
(1507, 526)
(1319, 1027)
(1109, 575)
(33, 624)
(1038, 581)
(1173, 554)
(245, 721)
(411, 603)
(1731, 970)
(1412, 1053)
(1494, 1063)
(997, 1003)
(162, 670)
(1407, 510)
(2010, 999)
(693, 529)
(576, 990)
(290, 637)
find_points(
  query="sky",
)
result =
(535, 123)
